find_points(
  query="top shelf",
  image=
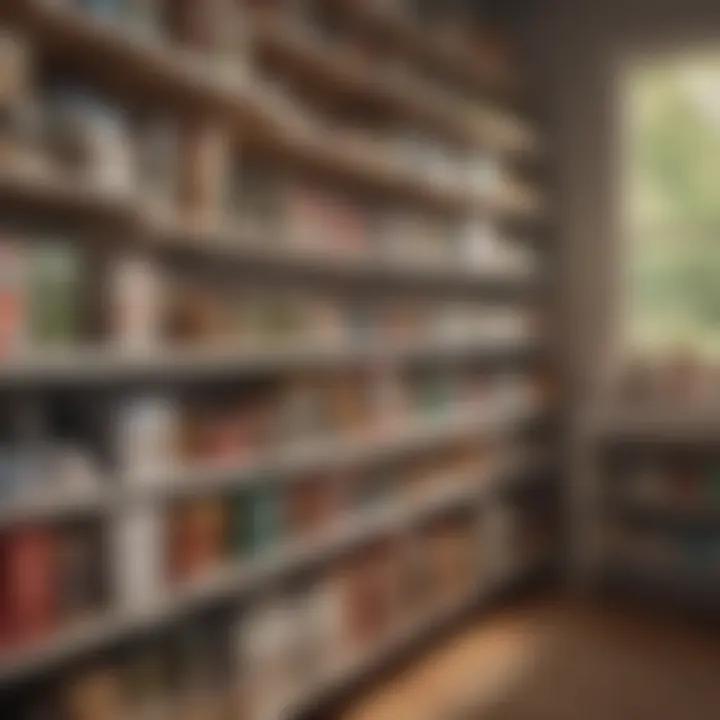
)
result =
(454, 58)
(185, 80)
(141, 63)
(344, 73)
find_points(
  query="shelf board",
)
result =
(103, 365)
(63, 197)
(456, 59)
(256, 249)
(347, 75)
(57, 506)
(369, 166)
(236, 579)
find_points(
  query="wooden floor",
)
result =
(560, 660)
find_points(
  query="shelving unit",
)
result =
(229, 362)
(657, 509)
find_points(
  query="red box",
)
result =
(29, 576)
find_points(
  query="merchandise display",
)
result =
(266, 352)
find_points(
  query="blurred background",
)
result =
(357, 359)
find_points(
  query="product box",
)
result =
(81, 567)
(197, 538)
(145, 16)
(312, 505)
(256, 196)
(325, 321)
(278, 318)
(135, 300)
(263, 649)
(349, 227)
(350, 406)
(205, 152)
(13, 298)
(367, 600)
(138, 557)
(11, 485)
(265, 524)
(454, 559)
(156, 149)
(20, 130)
(29, 582)
(89, 139)
(393, 409)
(300, 642)
(478, 245)
(325, 622)
(15, 70)
(224, 435)
(7, 639)
(57, 275)
(304, 216)
(108, 9)
(195, 314)
(239, 534)
(146, 437)
(65, 469)
(301, 415)
(361, 321)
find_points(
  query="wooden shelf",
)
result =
(257, 249)
(48, 507)
(368, 165)
(230, 582)
(69, 199)
(347, 75)
(112, 365)
(453, 58)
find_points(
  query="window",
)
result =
(671, 207)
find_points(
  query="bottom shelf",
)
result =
(238, 580)
(351, 674)
(321, 693)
